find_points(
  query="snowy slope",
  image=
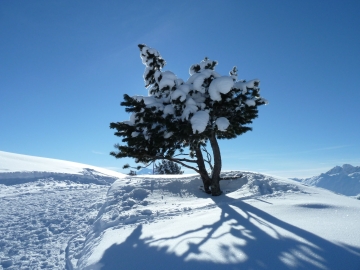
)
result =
(44, 222)
(16, 169)
(167, 222)
(46, 207)
(344, 180)
(156, 222)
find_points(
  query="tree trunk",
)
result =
(215, 179)
(203, 173)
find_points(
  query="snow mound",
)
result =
(128, 199)
(150, 199)
(269, 186)
(170, 223)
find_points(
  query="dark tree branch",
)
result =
(208, 158)
(183, 164)
(176, 160)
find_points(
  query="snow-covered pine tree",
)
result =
(167, 167)
(178, 115)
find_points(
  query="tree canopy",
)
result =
(177, 115)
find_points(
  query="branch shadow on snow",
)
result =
(194, 187)
(268, 243)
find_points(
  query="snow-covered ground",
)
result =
(46, 208)
(167, 222)
(259, 223)
(17, 169)
(45, 221)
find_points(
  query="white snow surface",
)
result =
(46, 207)
(157, 222)
(44, 223)
(12, 163)
(168, 222)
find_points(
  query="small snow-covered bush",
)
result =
(167, 167)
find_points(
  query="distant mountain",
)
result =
(145, 171)
(344, 180)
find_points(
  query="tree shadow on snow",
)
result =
(270, 243)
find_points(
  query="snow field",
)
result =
(39, 219)
(259, 223)
(46, 207)
(57, 218)
(17, 166)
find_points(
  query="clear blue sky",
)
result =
(65, 65)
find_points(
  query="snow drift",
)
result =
(17, 169)
(156, 222)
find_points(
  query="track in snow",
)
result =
(38, 220)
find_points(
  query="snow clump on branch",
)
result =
(194, 99)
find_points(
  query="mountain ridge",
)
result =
(343, 179)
